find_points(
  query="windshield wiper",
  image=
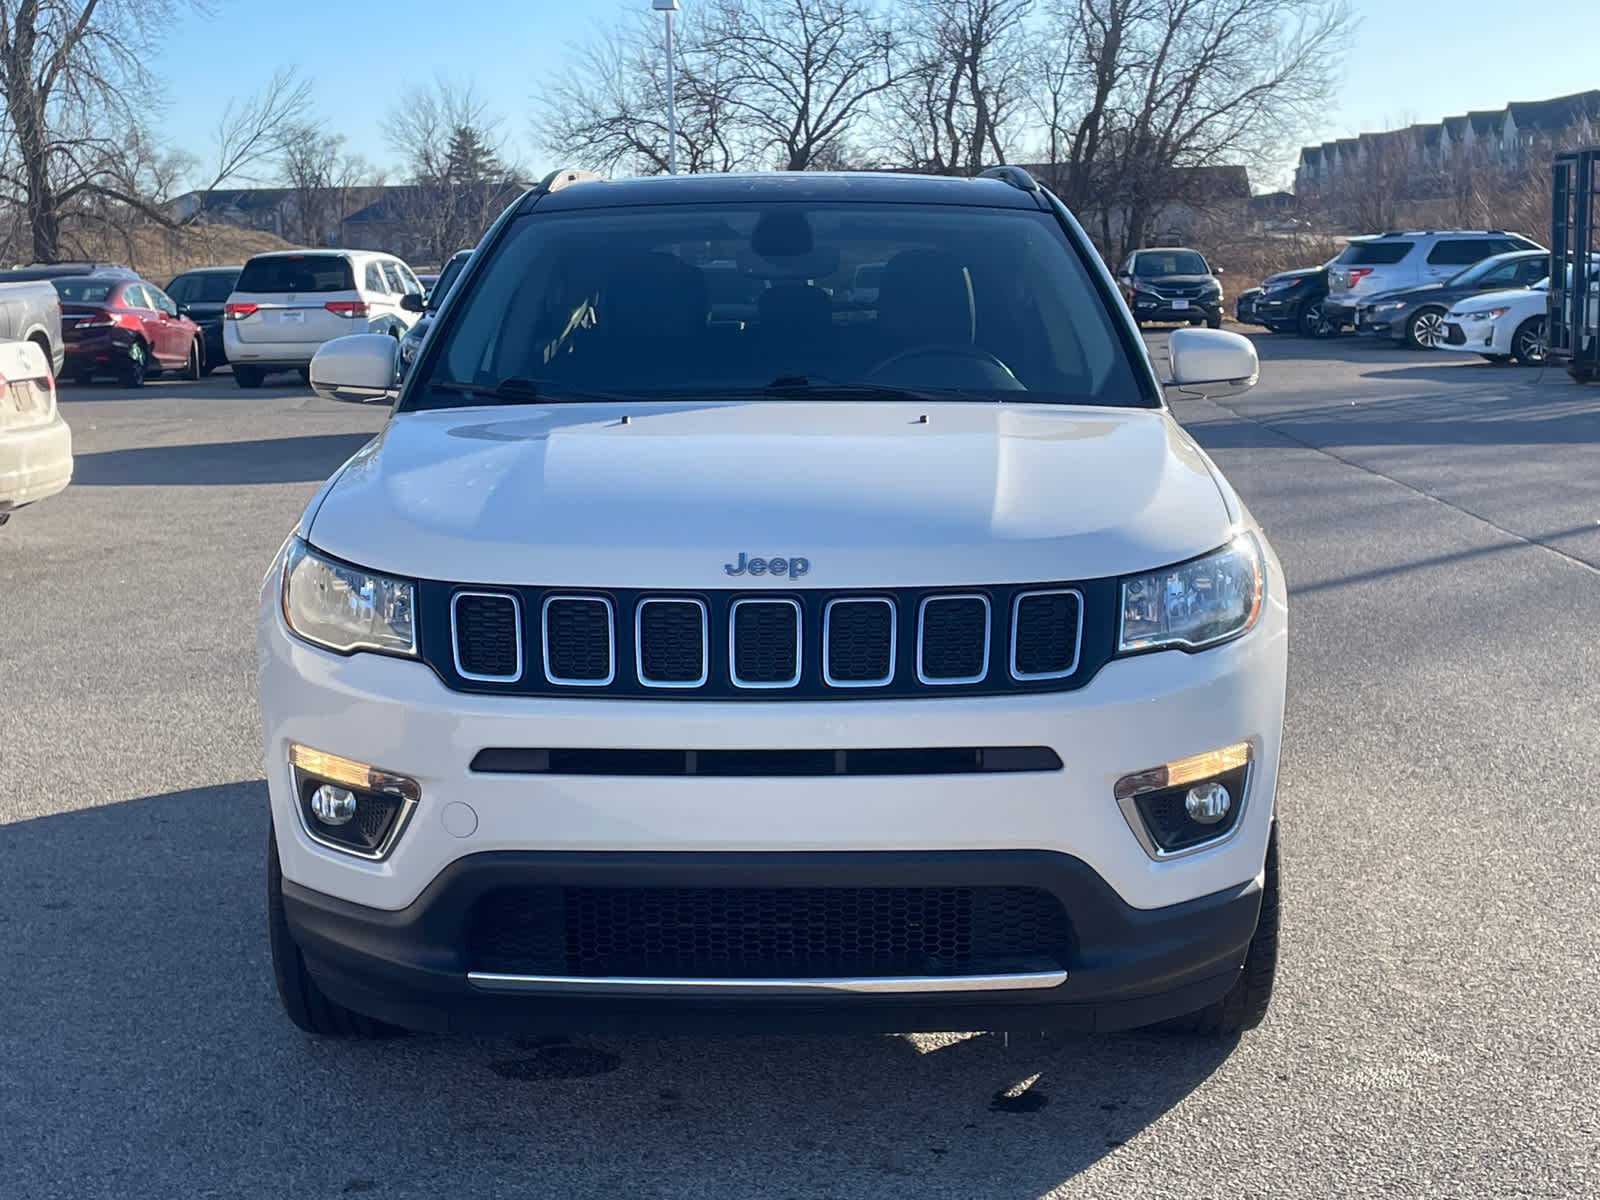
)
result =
(820, 387)
(519, 389)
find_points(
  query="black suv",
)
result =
(201, 295)
(1291, 302)
(1171, 285)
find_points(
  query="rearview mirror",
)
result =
(412, 302)
(357, 368)
(1211, 362)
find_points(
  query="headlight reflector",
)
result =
(1486, 314)
(1195, 604)
(344, 608)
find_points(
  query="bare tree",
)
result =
(459, 173)
(256, 131)
(328, 184)
(68, 69)
(1139, 92)
(609, 111)
(955, 104)
(800, 74)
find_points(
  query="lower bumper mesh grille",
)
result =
(754, 933)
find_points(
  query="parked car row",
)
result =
(98, 320)
(1426, 289)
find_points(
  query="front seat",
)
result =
(925, 299)
(652, 312)
(795, 329)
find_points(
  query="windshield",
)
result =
(735, 300)
(1169, 262)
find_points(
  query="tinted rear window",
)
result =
(982, 304)
(203, 287)
(1374, 254)
(299, 273)
(84, 291)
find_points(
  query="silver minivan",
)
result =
(287, 303)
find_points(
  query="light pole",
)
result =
(669, 7)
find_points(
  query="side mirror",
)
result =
(358, 368)
(1211, 362)
(1218, 271)
(412, 302)
(183, 310)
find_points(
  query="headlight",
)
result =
(1487, 314)
(1388, 306)
(1195, 604)
(345, 608)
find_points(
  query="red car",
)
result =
(125, 327)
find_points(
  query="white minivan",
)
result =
(287, 303)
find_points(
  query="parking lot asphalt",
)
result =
(1434, 1028)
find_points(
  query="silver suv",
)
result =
(1390, 261)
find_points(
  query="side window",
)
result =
(133, 296)
(1502, 276)
(413, 285)
(1458, 252)
(161, 300)
(391, 272)
(375, 279)
(1532, 270)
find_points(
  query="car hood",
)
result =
(879, 495)
(1478, 301)
(1302, 273)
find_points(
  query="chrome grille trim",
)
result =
(1077, 640)
(705, 642)
(988, 634)
(894, 637)
(611, 639)
(799, 642)
(455, 635)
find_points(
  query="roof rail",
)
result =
(557, 180)
(1015, 176)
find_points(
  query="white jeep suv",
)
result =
(650, 669)
(286, 304)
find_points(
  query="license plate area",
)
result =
(1179, 305)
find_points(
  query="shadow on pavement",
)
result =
(147, 1056)
(267, 460)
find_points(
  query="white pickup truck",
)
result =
(30, 311)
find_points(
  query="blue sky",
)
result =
(1405, 62)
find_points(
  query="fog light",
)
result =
(336, 805)
(1208, 803)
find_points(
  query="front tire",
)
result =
(303, 1001)
(1425, 329)
(1245, 1004)
(1529, 344)
(1214, 321)
(247, 377)
(1311, 323)
(192, 369)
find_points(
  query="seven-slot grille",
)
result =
(723, 644)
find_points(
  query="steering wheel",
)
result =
(967, 353)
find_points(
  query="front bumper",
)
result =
(1151, 937)
(34, 463)
(1146, 308)
(1479, 337)
(1125, 966)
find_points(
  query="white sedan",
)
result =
(1501, 325)
(35, 443)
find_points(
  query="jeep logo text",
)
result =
(792, 567)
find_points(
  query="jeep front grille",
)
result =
(797, 644)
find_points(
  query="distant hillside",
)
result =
(159, 254)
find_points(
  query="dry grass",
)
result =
(1250, 258)
(158, 254)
